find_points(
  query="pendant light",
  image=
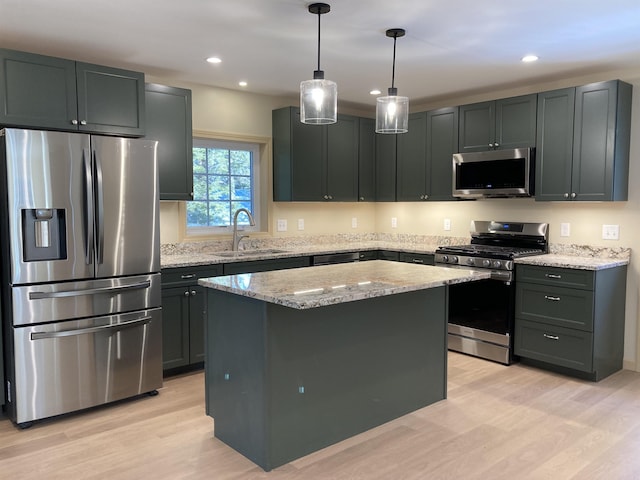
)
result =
(392, 111)
(318, 97)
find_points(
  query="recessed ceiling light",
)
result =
(375, 92)
(529, 58)
(214, 60)
(242, 83)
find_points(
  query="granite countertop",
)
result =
(572, 261)
(210, 258)
(324, 285)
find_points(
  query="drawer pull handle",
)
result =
(417, 260)
(553, 275)
(190, 275)
(551, 337)
(553, 299)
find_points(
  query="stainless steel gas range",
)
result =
(481, 314)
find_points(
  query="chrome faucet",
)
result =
(236, 236)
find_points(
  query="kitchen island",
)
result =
(300, 359)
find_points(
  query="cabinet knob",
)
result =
(83, 122)
(421, 197)
(186, 294)
(496, 145)
(566, 195)
(74, 122)
(491, 145)
(326, 197)
(362, 199)
(573, 195)
(426, 197)
(193, 293)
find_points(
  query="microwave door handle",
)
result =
(99, 209)
(116, 327)
(88, 207)
(89, 291)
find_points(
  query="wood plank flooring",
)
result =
(498, 422)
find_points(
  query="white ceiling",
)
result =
(452, 47)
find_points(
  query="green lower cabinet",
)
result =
(571, 321)
(183, 315)
(420, 258)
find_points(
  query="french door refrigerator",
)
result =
(80, 271)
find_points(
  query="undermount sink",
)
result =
(250, 253)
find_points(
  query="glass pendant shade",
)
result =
(318, 101)
(392, 114)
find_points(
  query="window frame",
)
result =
(261, 186)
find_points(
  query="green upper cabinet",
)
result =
(424, 156)
(367, 161)
(37, 91)
(583, 143)
(169, 122)
(386, 167)
(314, 162)
(411, 160)
(498, 124)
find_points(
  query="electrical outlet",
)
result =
(394, 222)
(301, 224)
(354, 222)
(565, 229)
(610, 232)
(282, 225)
(447, 224)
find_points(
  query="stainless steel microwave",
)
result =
(495, 173)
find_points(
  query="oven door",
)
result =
(481, 319)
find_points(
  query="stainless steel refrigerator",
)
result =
(80, 271)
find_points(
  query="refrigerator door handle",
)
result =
(89, 291)
(99, 208)
(88, 206)
(116, 327)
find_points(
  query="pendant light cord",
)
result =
(319, 14)
(393, 68)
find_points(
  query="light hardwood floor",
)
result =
(498, 422)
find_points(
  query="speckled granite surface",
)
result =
(324, 285)
(215, 252)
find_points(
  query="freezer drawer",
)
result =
(67, 366)
(35, 304)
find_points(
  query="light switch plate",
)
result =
(301, 224)
(394, 222)
(565, 229)
(354, 222)
(447, 224)
(610, 232)
(282, 225)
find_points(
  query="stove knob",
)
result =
(454, 259)
(486, 263)
(470, 261)
(497, 264)
(445, 258)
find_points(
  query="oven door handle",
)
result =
(116, 327)
(89, 291)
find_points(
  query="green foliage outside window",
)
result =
(222, 183)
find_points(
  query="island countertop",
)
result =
(319, 286)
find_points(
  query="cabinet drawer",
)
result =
(556, 345)
(565, 307)
(419, 258)
(188, 275)
(564, 277)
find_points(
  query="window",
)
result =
(225, 178)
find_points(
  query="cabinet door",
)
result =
(342, 159)
(110, 100)
(411, 160)
(385, 167)
(175, 327)
(197, 319)
(367, 161)
(554, 144)
(168, 120)
(516, 122)
(307, 160)
(599, 171)
(37, 91)
(442, 143)
(477, 127)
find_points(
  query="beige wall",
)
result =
(227, 111)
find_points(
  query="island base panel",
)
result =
(282, 382)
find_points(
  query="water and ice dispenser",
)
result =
(44, 234)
